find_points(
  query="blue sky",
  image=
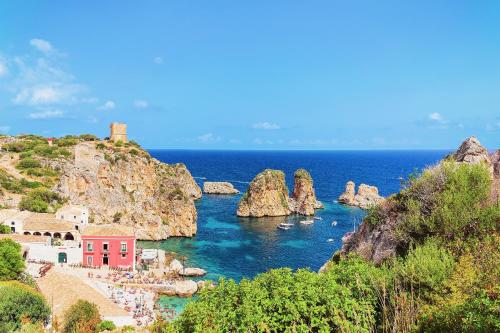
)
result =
(254, 74)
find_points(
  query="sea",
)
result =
(237, 248)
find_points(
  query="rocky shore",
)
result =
(268, 195)
(366, 197)
(219, 188)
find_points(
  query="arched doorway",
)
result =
(62, 257)
(27, 233)
(57, 235)
(36, 233)
(69, 236)
(47, 234)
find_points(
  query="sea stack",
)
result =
(219, 188)
(267, 195)
(304, 200)
(366, 197)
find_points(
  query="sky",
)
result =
(254, 74)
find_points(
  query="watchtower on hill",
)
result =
(118, 132)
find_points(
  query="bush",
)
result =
(278, 301)
(4, 229)
(39, 200)
(88, 137)
(81, 317)
(66, 141)
(119, 143)
(100, 145)
(106, 325)
(27, 163)
(41, 172)
(19, 303)
(11, 261)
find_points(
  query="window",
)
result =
(12, 223)
(90, 260)
(90, 247)
(105, 246)
(123, 247)
(74, 217)
(62, 217)
(124, 255)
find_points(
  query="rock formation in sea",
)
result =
(366, 197)
(121, 186)
(219, 188)
(378, 241)
(303, 200)
(267, 195)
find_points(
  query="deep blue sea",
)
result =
(233, 247)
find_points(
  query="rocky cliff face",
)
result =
(379, 242)
(130, 189)
(267, 195)
(366, 197)
(219, 188)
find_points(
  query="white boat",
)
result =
(285, 226)
(329, 240)
(334, 223)
(307, 222)
(319, 218)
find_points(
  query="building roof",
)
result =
(13, 214)
(108, 230)
(72, 210)
(52, 225)
(26, 238)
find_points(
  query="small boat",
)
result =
(319, 218)
(285, 226)
(334, 223)
(329, 240)
(307, 222)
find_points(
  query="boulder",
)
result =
(495, 162)
(185, 288)
(471, 151)
(176, 266)
(367, 196)
(192, 271)
(219, 188)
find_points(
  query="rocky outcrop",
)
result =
(303, 200)
(366, 197)
(378, 241)
(219, 188)
(495, 162)
(267, 195)
(130, 189)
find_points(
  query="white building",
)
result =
(14, 219)
(79, 215)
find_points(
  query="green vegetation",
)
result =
(4, 229)
(105, 325)
(303, 173)
(81, 317)
(41, 200)
(11, 261)
(21, 304)
(444, 279)
(88, 137)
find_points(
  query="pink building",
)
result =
(113, 246)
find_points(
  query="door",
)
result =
(105, 260)
(63, 257)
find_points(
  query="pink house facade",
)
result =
(113, 246)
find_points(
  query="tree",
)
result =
(81, 317)
(11, 261)
(20, 303)
(106, 325)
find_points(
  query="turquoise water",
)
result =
(232, 247)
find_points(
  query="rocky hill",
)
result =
(268, 195)
(379, 236)
(119, 183)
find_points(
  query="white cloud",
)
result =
(4, 129)
(3, 67)
(158, 60)
(266, 126)
(141, 104)
(108, 105)
(46, 94)
(42, 45)
(209, 138)
(46, 114)
(259, 141)
(435, 116)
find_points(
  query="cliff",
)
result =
(381, 235)
(366, 197)
(267, 195)
(122, 184)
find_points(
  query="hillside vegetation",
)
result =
(443, 276)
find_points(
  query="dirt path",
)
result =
(8, 163)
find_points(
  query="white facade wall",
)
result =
(74, 214)
(51, 253)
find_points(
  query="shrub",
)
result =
(119, 143)
(100, 145)
(106, 325)
(117, 217)
(11, 261)
(133, 152)
(66, 141)
(27, 163)
(39, 200)
(19, 303)
(88, 137)
(4, 229)
(81, 317)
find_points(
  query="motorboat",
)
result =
(334, 223)
(285, 226)
(307, 222)
(319, 218)
(329, 240)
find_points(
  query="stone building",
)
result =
(118, 132)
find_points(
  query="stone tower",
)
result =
(118, 132)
